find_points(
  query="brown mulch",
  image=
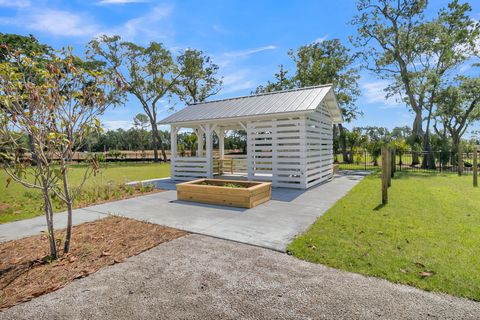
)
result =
(25, 272)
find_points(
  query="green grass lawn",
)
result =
(18, 202)
(431, 225)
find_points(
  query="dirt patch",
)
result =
(25, 273)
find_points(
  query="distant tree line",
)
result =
(370, 139)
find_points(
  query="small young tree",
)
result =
(26, 110)
(58, 113)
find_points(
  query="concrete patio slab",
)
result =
(272, 225)
(198, 277)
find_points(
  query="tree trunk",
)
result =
(428, 161)
(159, 142)
(32, 149)
(154, 146)
(456, 153)
(343, 143)
(335, 136)
(418, 135)
(69, 202)
(49, 217)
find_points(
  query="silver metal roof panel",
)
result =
(279, 102)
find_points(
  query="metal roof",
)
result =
(301, 100)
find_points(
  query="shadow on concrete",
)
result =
(191, 204)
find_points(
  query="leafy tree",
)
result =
(198, 76)
(282, 82)
(29, 47)
(141, 121)
(58, 112)
(376, 138)
(458, 106)
(148, 73)
(189, 141)
(415, 54)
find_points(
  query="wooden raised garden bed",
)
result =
(243, 194)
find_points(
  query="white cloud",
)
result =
(227, 58)
(237, 81)
(54, 22)
(321, 39)
(61, 23)
(15, 3)
(117, 124)
(374, 92)
(121, 1)
(248, 52)
(151, 26)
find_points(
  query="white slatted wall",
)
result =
(291, 152)
(189, 168)
(319, 152)
(277, 151)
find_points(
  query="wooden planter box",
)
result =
(250, 195)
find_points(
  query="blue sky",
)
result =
(247, 39)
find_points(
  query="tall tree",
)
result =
(415, 54)
(148, 73)
(458, 107)
(198, 76)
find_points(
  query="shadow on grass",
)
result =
(379, 207)
(413, 174)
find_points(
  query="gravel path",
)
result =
(199, 277)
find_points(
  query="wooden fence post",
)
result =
(389, 167)
(392, 163)
(385, 175)
(475, 166)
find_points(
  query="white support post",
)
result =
(303, 158)
(199, 132)
(250, 166)
(274, 152)
(173, 150)
(209, 149)
(221, 142)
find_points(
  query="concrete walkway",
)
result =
(198, 277)
(271, 225)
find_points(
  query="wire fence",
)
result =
(441, 161)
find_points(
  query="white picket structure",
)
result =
(290, 147)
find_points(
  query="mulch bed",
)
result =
(25, 272)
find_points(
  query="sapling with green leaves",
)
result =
(58, 113)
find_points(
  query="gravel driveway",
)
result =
(199, 277)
